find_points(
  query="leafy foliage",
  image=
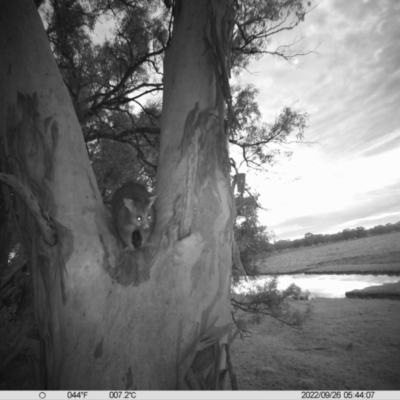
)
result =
(256, 21)
(263, 300)
(261, 143)
(294, 292)
(250, 236)
(132, 157)
(108, 80)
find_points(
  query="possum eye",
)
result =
(149, 217)
(139, 218)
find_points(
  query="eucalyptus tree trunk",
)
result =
(111, 319)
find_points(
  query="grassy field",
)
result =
(377, 254)
(385, 291)
(345, 344)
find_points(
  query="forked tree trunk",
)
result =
(109, 319)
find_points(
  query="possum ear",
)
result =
(129, 204)
(152, 199)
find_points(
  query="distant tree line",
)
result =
(311, 239)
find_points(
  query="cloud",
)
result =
(351, 88)
(359, 215)
(349, 81)
(384, 147)
(367, 209)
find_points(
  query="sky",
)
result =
(350, 86)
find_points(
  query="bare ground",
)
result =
(344, 344)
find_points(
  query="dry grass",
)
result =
(344, 344)
(376, 254)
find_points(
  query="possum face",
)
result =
(140, 221)
(139, 215)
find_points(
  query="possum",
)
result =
(133, 214)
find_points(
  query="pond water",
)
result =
(325, 285)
